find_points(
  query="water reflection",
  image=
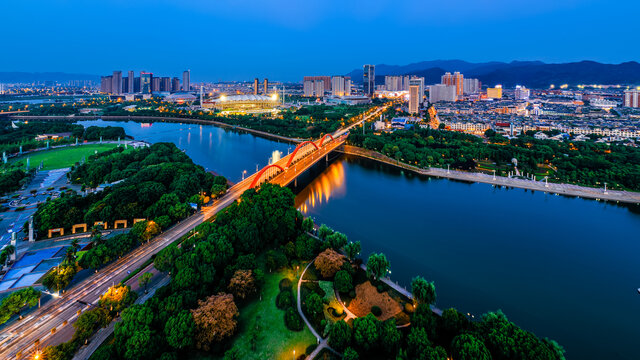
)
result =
(331, 183)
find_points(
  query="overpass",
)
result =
(22, 339)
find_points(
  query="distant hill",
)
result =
(533, 74)
(28, 77)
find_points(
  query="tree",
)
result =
(424, 318)
(180, 330)
(215, 319)
(275, 259)
(90, 321)
(165, 259)
(337, 240)
(292, 319)
(324, 231)
(144, 280)
(423, 291)
(134, 334)
(60, 277)
(343, 282)
(468, 347)
(13, 303)
(329, 262)
(352, 250)
(419, 346)
(390, 336)
(242, 284)
(350, 354)
(377, 266)
(307, 224)
(313, 305)
(340, 335)
(365, 331)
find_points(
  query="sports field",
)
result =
(62, 157)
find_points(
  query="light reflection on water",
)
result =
(331, 183)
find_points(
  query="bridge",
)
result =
(12, 113)
(21, 339)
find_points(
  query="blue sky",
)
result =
(283, 40)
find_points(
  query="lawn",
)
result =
(62, 157)
(275, 340)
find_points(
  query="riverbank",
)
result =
(162, 119)
(560, 189)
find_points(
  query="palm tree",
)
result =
(70, 256)
(75, 246)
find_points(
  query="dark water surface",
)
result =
(564, 268)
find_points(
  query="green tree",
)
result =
(180, 330)
(340, 335)
(352, 249)
(324, 231)
(377, 266)
(350, 354)
(307, 224)
(337, 240)
(423, 291)
(313, 305)
(365, 331)
(468, 347)
(343, 282)
(390, 336)
(144, 280)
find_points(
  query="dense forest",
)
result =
(584, 163)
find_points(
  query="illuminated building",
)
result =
(255, 86)
(146, 82)
(165, 84)
(369, 79)
(414, 98)
(393, 83)
(244, 104)
(116, 83)
(186, 80)
(175, 84)
(106, 83)
(419, 81)
(155, 84)
(180, 98)
(265, 84)
(457, 80)
(340, 86)
(471, 86)
(130, 78)
(522, 93)
(495, 93)
(325, 79)
(632, 98)
(314, 88)
(441, 92)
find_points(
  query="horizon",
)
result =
(285, 41)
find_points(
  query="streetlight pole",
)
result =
(605, 188)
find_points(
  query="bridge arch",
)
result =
(305, 145)
(266, 170)
(325, 138)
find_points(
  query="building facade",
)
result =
(457, 80)
(441, 92)
(369, 79)
(632, 98)
(414, 98)
(186, 80)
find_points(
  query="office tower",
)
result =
(116, 82)
(339, 86)
(393, 83)
(186, 80)
(457, 80)
(414, 80)
(369, 79)
(442, 92)
(325, 79)
(521, 93)
(175, 84)
(495, 93)
(146, 82)
(136, 84)
(130, 81)
(255, 86)
(125, 85)
(106, 83)
(471, 86)
(414, 97)
(155, 84)
(165, 84)
(632, 98)
(265, 84)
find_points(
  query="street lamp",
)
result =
(243, 172)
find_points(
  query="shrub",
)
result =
(380, 288)
(285, 284)
(284, 299)
(292, 319)
(375, 310)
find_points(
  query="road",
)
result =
(23, 338)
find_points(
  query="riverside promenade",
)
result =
(560, 189)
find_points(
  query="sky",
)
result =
(284, 40)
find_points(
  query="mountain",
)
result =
(533, 74)
(28, 77)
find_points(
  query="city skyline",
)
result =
(224, 43)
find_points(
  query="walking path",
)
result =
(561, 189)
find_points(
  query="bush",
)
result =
(335, 312)
(284, 299)
(375, 310)
(292, 320)
(285, 284)
(380, 288)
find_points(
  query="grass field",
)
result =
(275, 340)
(63, 157)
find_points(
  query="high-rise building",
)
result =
(175, 84)
(457, 80)
(369, 79)
(393, 83)
(186, 80)
(136, 84)
(265, 84)
(255, 86)
(325, 79)
(442, 92)
(106, 83)
(155, 84)
(419, 81)
(125, 85)
(130, 78)
(471, 86)
(116, 83)
(495, 93)
(521, 93)
(632, 98)
(313, 88)
(340, 86)
(414, 98)
(146, 82)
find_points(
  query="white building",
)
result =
(393, 83)
(471, 86)
(313, 88)
(632, 98)
(522, 93)
(440, 92)
(340, 86)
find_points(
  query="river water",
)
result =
(564, 268)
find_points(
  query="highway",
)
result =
(23, 338)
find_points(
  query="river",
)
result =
(564, 268)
